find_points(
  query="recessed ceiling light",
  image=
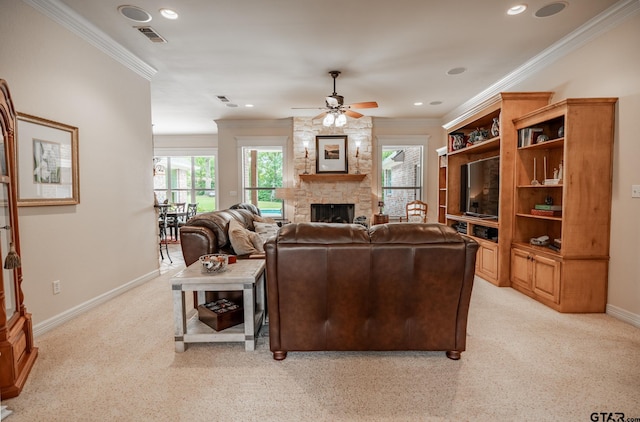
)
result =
(418, 103)
(456, 70)
(134, 13)
(248, 105)
(516, 10)
(435, 102)
(550, 9)
(169, 14)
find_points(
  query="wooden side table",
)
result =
(380, 219)
(246, 275)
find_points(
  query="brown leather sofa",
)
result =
(397, 286)
(208, 232)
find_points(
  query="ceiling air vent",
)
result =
(223, 98)
(150, 33)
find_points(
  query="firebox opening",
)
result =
(332, 213)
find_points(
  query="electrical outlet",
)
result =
(56, 287)
(635, 191)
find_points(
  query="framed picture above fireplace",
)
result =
(331, 154)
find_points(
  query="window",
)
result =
(401, 177)
(186, 179)
(262, 173)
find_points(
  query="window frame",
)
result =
(191, 153)
(398, 142)
(262, 143)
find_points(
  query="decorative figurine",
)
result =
(495, 127)
(541, 138)
(559, 177)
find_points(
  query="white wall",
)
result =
(609, 66)
(109, 239)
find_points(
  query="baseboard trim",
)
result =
(69, 314)
(624, 315)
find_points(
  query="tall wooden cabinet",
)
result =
(17, 352)
(576, 146)
(493, 260)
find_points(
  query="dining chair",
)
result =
(176, 215)
(416, 212)
(163, 209)
(192, 209)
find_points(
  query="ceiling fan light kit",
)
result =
(336, 111)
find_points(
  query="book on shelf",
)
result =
(528, 136)
(546, 213)
(548, 207)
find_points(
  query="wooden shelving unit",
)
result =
(493, 260)
(573, 278)
(442, 185)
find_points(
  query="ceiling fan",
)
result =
(335, 109)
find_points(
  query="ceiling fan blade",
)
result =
(307, 108)
(353, 114)
(319, 115)
(366, 104)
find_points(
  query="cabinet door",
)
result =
(521, 268)
(546, 278)
(487, 258)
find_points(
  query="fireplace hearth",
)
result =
(332, 213)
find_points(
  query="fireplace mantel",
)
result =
(341, 177)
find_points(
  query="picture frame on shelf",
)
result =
(46, 162)
(331, 154)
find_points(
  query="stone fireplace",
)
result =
(332, 189)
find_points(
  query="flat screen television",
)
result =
(480, 188)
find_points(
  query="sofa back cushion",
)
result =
(322, 233)
(414, 233)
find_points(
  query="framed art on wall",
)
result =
(331, 154)
(47, 162)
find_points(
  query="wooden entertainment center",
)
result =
(571, 214)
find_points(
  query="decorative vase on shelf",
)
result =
(495, 127)
(457, 141)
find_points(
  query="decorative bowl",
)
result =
(213, 263)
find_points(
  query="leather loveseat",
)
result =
(208, 232)
(398, 286)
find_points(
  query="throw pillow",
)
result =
(266, 230)
(243, 241)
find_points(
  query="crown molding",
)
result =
(66, 17)
(605, 21)
(383, 122)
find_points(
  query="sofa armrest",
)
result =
(195, 242)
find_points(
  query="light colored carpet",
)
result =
(523, 362)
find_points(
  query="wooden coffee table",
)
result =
(246, 275)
